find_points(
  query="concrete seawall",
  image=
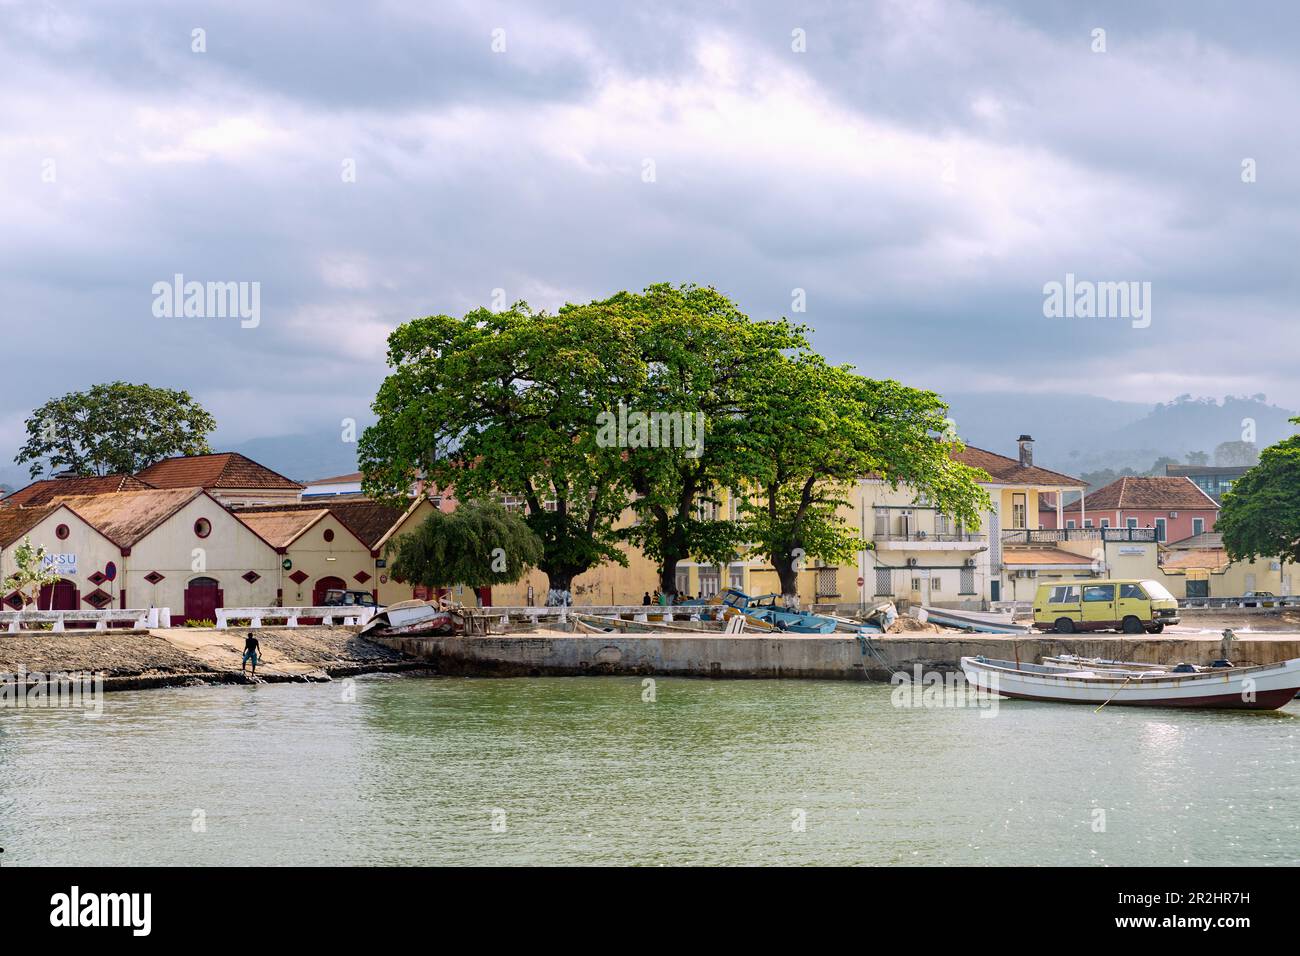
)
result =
(832, 657)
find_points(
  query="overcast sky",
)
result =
(921, 170)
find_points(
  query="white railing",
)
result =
(255, 615)
(138, 618)
(635, 612)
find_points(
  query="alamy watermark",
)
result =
(934, 689)
(634, 429)
(208, 300)
(1085, 299)
(38, 690)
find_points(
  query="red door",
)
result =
(202, 598)
(326, 584)
(60, 596)
(485, 597)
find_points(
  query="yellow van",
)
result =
(1099, 604)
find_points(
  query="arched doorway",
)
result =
(326, 584)
(62, 595)
(202, 598)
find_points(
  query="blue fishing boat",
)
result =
(767, 609)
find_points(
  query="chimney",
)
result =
(1026, 450)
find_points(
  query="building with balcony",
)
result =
(1174, 508)
(920, 555)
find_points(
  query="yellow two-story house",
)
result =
(919, 555)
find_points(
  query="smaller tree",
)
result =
(32, 572)
(1261, 514)
(114, 428)
(479, 544)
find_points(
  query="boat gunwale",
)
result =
(1142, 679)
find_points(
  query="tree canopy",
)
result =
(1261, 514)
(114, 428)
(479, 544)
(816, 428)
(503, 404)
(655, 403)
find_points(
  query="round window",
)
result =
(203, 527)
(329, 534)
(61, 532)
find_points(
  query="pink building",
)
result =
(1174, 506)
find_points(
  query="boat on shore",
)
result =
(414, 619)
(1261, 687)
(767, 611)
(984, 622)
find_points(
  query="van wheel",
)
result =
(1064, 625)
(1132, 625)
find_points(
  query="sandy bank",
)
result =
(164, 657)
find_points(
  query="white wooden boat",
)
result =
(1264, 687)
(999, 622)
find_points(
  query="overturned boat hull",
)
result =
(414, 619)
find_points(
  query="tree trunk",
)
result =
(788, 576)
(668, 577)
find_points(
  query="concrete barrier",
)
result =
(830, 657)
(132, 617)
(328, 615)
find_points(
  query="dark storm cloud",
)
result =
(921, 171)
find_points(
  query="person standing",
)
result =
(251, 650)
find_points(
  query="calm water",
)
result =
(413, 770)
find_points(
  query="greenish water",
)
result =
(585, 771)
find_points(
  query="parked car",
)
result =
(341, 598)
(1103, 604)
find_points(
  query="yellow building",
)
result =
(921, 556)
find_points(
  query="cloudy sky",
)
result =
(919, 169)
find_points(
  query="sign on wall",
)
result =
(65, 564)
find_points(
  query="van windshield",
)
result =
(1157, 591)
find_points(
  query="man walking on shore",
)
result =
(251, 648)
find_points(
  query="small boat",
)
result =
(767, 610)
(414, 619)
(983, 622)
(1262, 687)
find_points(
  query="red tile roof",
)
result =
(1139, 493)
(1009, 471)
(16, 522)
(338, 479)
(124, 517)
(281, 527)
(46, 489)
(368, 520)
(223, 470)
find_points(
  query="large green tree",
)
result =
(479, 544)
(701, 358)
(813, 430)
(114, 428)
(1261, 514)
(504, 403)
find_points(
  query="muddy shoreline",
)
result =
(193, 657)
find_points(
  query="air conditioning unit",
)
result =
(1173, 514)
(911, 562)
(970, 562)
